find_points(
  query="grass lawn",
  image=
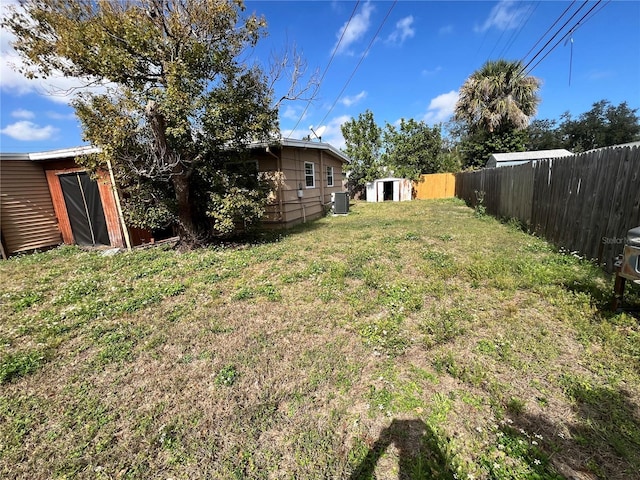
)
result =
(413, 340)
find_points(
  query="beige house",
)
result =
(306, 173)
(47, 199)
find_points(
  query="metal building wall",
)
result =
(27, 218)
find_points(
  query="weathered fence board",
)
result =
(584, 203)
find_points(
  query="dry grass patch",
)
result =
(410, 340)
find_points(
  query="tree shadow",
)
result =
(420, 456)
(605, 440)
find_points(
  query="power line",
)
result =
(549, 29)
(573, 29)
(517, 32)
(333, 54)
(359, 63)
(555, 35)
(591, 16)
(496, 44)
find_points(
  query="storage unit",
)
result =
(389, 189)
(46, 199)
(27, 217)
(498, 160)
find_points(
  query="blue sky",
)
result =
(413, 57)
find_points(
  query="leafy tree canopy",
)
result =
(495, 104)
(498, 97)
(602, 126)
(477, 148)
(412, 148)
(179, 96)
(363, 145)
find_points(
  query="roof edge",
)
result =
(64, 153)
(290, 142)
(88, 149)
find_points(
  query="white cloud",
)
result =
(290, 113)
(446, 30)
(428, 73)
(333, 134)
(56, 88)
(348, 101)
(27, 131)
(22, 113)
(600, 74)
(61, 116)
(506, 15)
(404, 29)
(354, 30)
(441, 107)
(330, 132)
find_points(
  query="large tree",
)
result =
(604, 125)
(363, 144)
(412, 148)
(495, 105)
(544, 135)
(179, 95)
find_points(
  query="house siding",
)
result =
(287, 208)
(28, 219)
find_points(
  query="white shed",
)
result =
(392, 189)
(498, 160)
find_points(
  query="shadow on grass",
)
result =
(266, 235)
(605, 440)
(420, 457)
(592, 281)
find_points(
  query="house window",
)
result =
(246, 173)
(329, 176)
(309, 175)
(247, 168)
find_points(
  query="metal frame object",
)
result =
(627, 266)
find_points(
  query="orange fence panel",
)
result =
(436, 185)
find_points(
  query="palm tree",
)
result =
(498, 98)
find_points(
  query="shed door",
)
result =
(396, 191)
(371, 192)
(84, 207)
(388, 192)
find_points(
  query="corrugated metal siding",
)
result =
(27, 217)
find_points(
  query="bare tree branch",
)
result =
(290, 66)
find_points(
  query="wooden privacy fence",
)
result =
(435, 185)
(584, 203)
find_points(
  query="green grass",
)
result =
(405, 340)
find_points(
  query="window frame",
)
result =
(243, 164)
(330, 175)
(311, 175)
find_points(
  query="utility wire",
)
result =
(549, 29)
(359, 63)
(573, 29)
(555, 35)
(496, 44)
(333, 54)
(592, 15)
(517, 32)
